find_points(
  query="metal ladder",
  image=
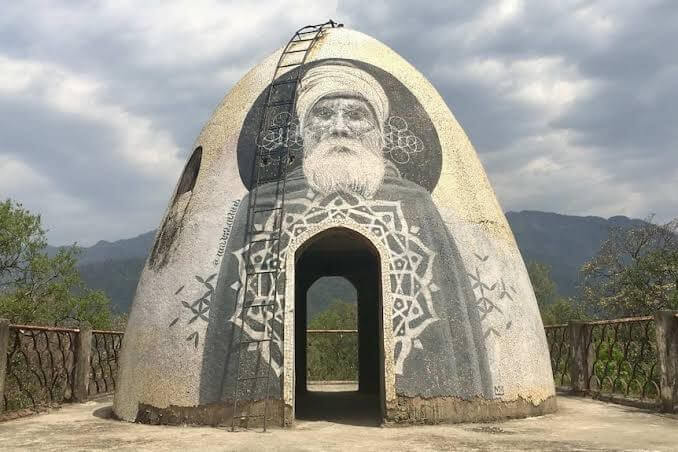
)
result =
(270, 166)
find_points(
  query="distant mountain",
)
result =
(114, 267)
(327, 290)
(136, 247)
(118, 278)
(564, 242)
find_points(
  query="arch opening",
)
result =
(332, 304)
(326, 267)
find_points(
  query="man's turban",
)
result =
(337, 79)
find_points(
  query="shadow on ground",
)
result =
(104, 413)
(340, 407)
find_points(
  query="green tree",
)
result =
(36, 288)
(338, 316)
(562, 310)
(554, 308)
(333, 356)
(635, 271)
(543, 285)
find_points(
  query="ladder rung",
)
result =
(296, 51)
(299, 33)
(263, 272)
(262, 305)
(272, 152)
(257, 377)
(255, 232)
(272, 180)
(285, 82)
(282, 102)
(270, 239)
(255, 341)
(301, 40)
(289, 65)
(269, 180)
(267, 209)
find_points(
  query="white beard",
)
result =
(344, 165)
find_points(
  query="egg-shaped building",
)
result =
(344, 162)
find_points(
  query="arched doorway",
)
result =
(341, 252)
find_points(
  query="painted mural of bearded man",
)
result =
(343, 112)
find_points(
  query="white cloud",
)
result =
(14, 173)
(184, 32)
(492, 19)
(150, 150)
(38, 193)
(545, 82)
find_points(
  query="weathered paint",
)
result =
(182, 318)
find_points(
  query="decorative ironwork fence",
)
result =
(104, 361)
(46, 366)
(626, 360)
(558, 337)
(39, 368)
(624, 354)
(632, 360)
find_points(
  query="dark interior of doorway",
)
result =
(341, 252)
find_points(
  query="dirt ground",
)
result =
(580, 424)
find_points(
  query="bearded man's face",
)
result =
(343, 147)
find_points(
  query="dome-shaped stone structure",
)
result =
(387, 191)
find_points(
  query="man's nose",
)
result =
(340, 127)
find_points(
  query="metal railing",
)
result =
(104, 361)
(39, 368)
(631, 360)
(47, 366)
(625, 360)
(558, 337)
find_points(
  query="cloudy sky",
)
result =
(571, 105)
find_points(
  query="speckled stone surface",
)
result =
(174, 353)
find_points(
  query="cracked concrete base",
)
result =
(405, 411)
(436, 410)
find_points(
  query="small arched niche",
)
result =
(190, 174)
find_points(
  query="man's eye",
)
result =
(323, 113)
(355, 115)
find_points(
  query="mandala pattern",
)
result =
(410, 273)
(399, 142)
(283, 131)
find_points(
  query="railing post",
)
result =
(4, 348)
(83, 350)
(666, 323)
(582, 362)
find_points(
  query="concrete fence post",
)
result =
(4, 348)
(83, 350)
(667, 356)
(582, 362)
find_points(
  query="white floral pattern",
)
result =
(411, 271)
